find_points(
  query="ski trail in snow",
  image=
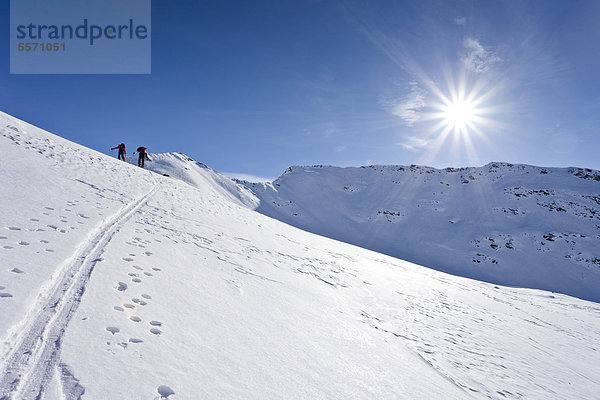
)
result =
(34, 352)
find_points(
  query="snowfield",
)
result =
(514, 225)
(123, 283)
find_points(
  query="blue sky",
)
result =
(255, 86)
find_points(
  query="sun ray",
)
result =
(458, 116)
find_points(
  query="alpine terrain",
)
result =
(118, 282)
(515, 225)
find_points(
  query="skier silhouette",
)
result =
(143, 156)
(122, 151)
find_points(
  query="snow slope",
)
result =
(156, 288)
(197, 174)
(515, 225)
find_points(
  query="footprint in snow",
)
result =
(122, 287)
(17, 271)
(118, 308)
(135, 340)
(13, 228)
(127, 305)
(3, 237)
(50, 250)
(156, 269)
(139, 302)
(155, 331)
(8, 247)
(138, 268)
(24, 243)
(148, 274)
(136, 280)
(155, 323)
(113, 329)
(5, 295)
(34, 219)
(164, 391)
(128, 259)
(44, 241)
(146, 296)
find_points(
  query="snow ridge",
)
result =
(199, 175)
(509, 224)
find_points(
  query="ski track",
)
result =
(35, 352)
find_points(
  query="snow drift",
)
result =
(121, 283)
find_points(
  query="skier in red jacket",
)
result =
(122, 152)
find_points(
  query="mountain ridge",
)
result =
(494, 209)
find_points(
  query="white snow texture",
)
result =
(122, 283)
(514, 225)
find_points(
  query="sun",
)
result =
(462, 111)
(459, 114)
(460, 117)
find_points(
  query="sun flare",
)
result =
(462, 111)
(459, 114)
(458, 118)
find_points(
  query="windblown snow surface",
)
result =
(123, 283)
(515, 225)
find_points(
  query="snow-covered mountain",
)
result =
(199, 175)
(123, 283)
(515, 225)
